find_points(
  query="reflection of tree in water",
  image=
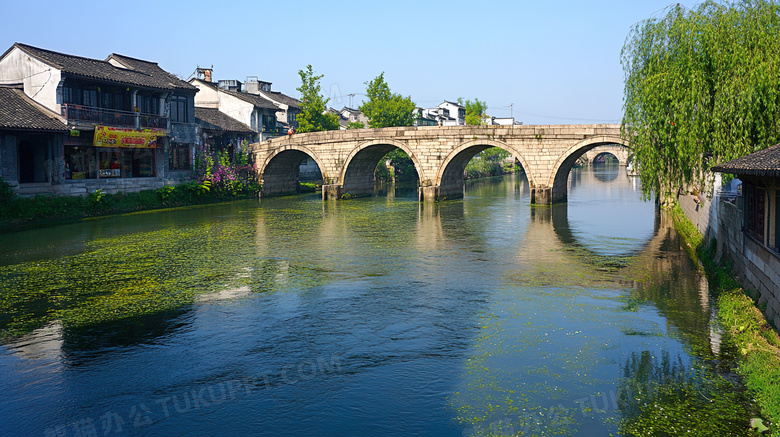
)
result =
(664, 397)
(666, 277)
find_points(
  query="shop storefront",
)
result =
(111, 153)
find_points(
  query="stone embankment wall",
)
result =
(755, 266)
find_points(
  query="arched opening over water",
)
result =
(606, 158)
(485, 157)
(606, 167)
(284, 171)
(368, 160)
(569, 160)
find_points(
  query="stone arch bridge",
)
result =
(620, 153)
(347, 158)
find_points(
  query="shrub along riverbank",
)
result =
(758, 343)
(220, 176)
(18, 212)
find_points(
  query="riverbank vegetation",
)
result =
(753, 337)
(490, 162)
(701, 88)
(219, 175)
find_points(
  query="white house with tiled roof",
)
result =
(253, 110)
(289, 107)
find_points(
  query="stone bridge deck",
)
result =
(347, 158)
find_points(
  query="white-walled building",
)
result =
(289, 107)
(253, 110)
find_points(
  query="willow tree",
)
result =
(702, 87)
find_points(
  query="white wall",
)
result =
(40, 80)
(207, 96)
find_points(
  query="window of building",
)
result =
(147, 104)
(179, 157)
(80, 162)
(69, 95)
(87, 162)
(754, 198)
(269, 123)
(179, 112)
(89, 98)
(775, 241)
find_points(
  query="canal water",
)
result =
(376, 316)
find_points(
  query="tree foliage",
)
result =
(475, 111)
(313, 116)
(384, 108)
(701, 88)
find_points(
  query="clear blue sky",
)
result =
(557, 62)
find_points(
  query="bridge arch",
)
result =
(279, 172)
(357, 175)
(560, 173)
(450, 178)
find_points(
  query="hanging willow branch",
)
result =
(701, 88)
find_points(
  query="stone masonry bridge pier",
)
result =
(347, 158)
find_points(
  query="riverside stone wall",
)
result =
(756, 267)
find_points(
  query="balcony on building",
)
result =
(88, 105)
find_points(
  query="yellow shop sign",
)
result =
(116, 137)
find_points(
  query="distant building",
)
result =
(221, 131)
(131, 124)
(252, 110)
(289, 107)
(420, 120)
(456, 112)
(348, 115)
(445, 114)
(503, 121)
(353, 116)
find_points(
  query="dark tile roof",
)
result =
(97, 70)
(213, 119)
(285, 99)
(152, 69)
(765, 162)
(19, 112)
(259, 101)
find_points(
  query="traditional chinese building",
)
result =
(131, 125)
(31, 139)
(748, 231)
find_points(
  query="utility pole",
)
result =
(350, 99)
(511, 111)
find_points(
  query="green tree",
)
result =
(384, 108)
(313, 116)
(701, 88)
(355, 125)
(475, 111)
